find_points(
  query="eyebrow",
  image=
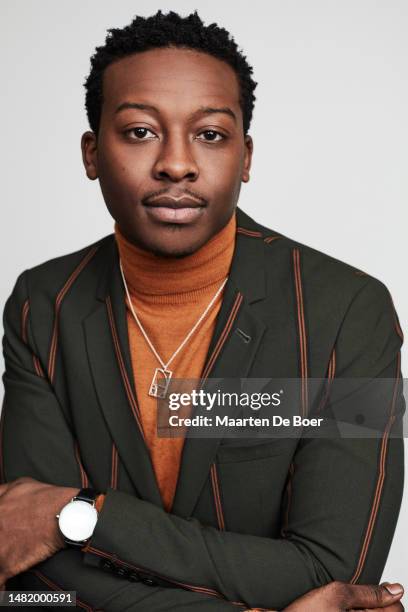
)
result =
(203, 110)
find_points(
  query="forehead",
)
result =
(184, 77)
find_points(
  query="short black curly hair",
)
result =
(167, 30)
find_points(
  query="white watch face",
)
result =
(77, 520)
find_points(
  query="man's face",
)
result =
(171, 153)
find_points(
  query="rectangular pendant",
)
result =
(160, 383)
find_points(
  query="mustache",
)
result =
(151, 195)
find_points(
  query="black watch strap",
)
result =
(87, 495)
(73, 543)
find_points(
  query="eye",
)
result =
(140, 133)
(211, 136)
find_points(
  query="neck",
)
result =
(177, 279)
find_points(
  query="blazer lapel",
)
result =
(109, 356)
(236, 340)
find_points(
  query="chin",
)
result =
(176, 252)
(176, 245)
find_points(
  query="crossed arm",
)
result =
(339, 528)
(39, 539)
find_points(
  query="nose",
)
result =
(175, 161)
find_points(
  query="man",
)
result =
(188, 285)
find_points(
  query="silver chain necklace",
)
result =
(161, 378)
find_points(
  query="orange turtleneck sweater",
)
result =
(169, 295)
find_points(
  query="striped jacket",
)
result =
(255, 522)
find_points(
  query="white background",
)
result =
(330, 131)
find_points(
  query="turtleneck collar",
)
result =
(160, 279)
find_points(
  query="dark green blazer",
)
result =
(255, 522)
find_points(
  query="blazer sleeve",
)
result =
(37, 440)
(344, 503)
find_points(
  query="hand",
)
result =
(339, 596)
(29, 531)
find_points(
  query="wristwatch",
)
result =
(78, 518)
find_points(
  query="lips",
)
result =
(180, 211)
(176, 207)
(174, 202)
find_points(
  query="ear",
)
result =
(89, 156)
(249, 148)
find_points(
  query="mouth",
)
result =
(174, 209)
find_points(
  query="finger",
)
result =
(19, 481)
(3, 488)
(392, 587)
(371, 596)
(9, 485)
(397, 607)
(22, 480)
